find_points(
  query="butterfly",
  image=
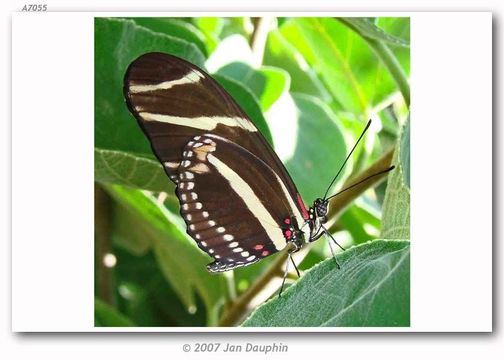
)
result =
(238, 201)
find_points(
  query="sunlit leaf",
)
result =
(280, 53)
(211, 27)
(233, 49)
(343, 60)
(366, 27)
(267, 83)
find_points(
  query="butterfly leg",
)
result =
(287, 271)
(295, 267)
(330, 246)
(333, 255)
(284, 276)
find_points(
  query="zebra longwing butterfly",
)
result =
(236, 197)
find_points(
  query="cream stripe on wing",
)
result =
(191, 78)
(203, 122)
(251, 200)
(293, 206)
(171, 164)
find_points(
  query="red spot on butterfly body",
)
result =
(265, 253)
(287, 221)
(258, 247)
(301, 204)
(288, 234)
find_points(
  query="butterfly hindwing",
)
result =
(233, 202)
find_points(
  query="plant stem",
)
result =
(258, 39)
(340, 202)
(394, 67)
(239, 309)
(103, 245)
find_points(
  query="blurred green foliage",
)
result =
(310, 87)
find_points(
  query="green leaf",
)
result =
(232, 49)
(248, 103)
(371, 289)
(405, 153)
(281, 54)
(390, 127)
(176, 28)
(117, 43)
(236, 26)
(146, 297)
(396, 206)
(320, 146)
(127, 231)
(179, 259)
(267, 83)
(396, 63)
(400, 28)
(360, 221)
(123, 168)
(211, 27)
(106, 315)
(343, 60)
(366, 27)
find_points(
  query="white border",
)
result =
(43, 103)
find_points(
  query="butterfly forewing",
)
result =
(233, 202)
(173, 101)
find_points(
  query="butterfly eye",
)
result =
(320, 204)
(321, 208)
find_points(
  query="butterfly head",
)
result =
(320, 206)
(318, 217)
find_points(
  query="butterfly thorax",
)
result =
(318, 217)
(292, 233)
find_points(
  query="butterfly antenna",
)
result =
(363, 180)
(348, 156)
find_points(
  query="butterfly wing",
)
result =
(234, 212)
(174, 100)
